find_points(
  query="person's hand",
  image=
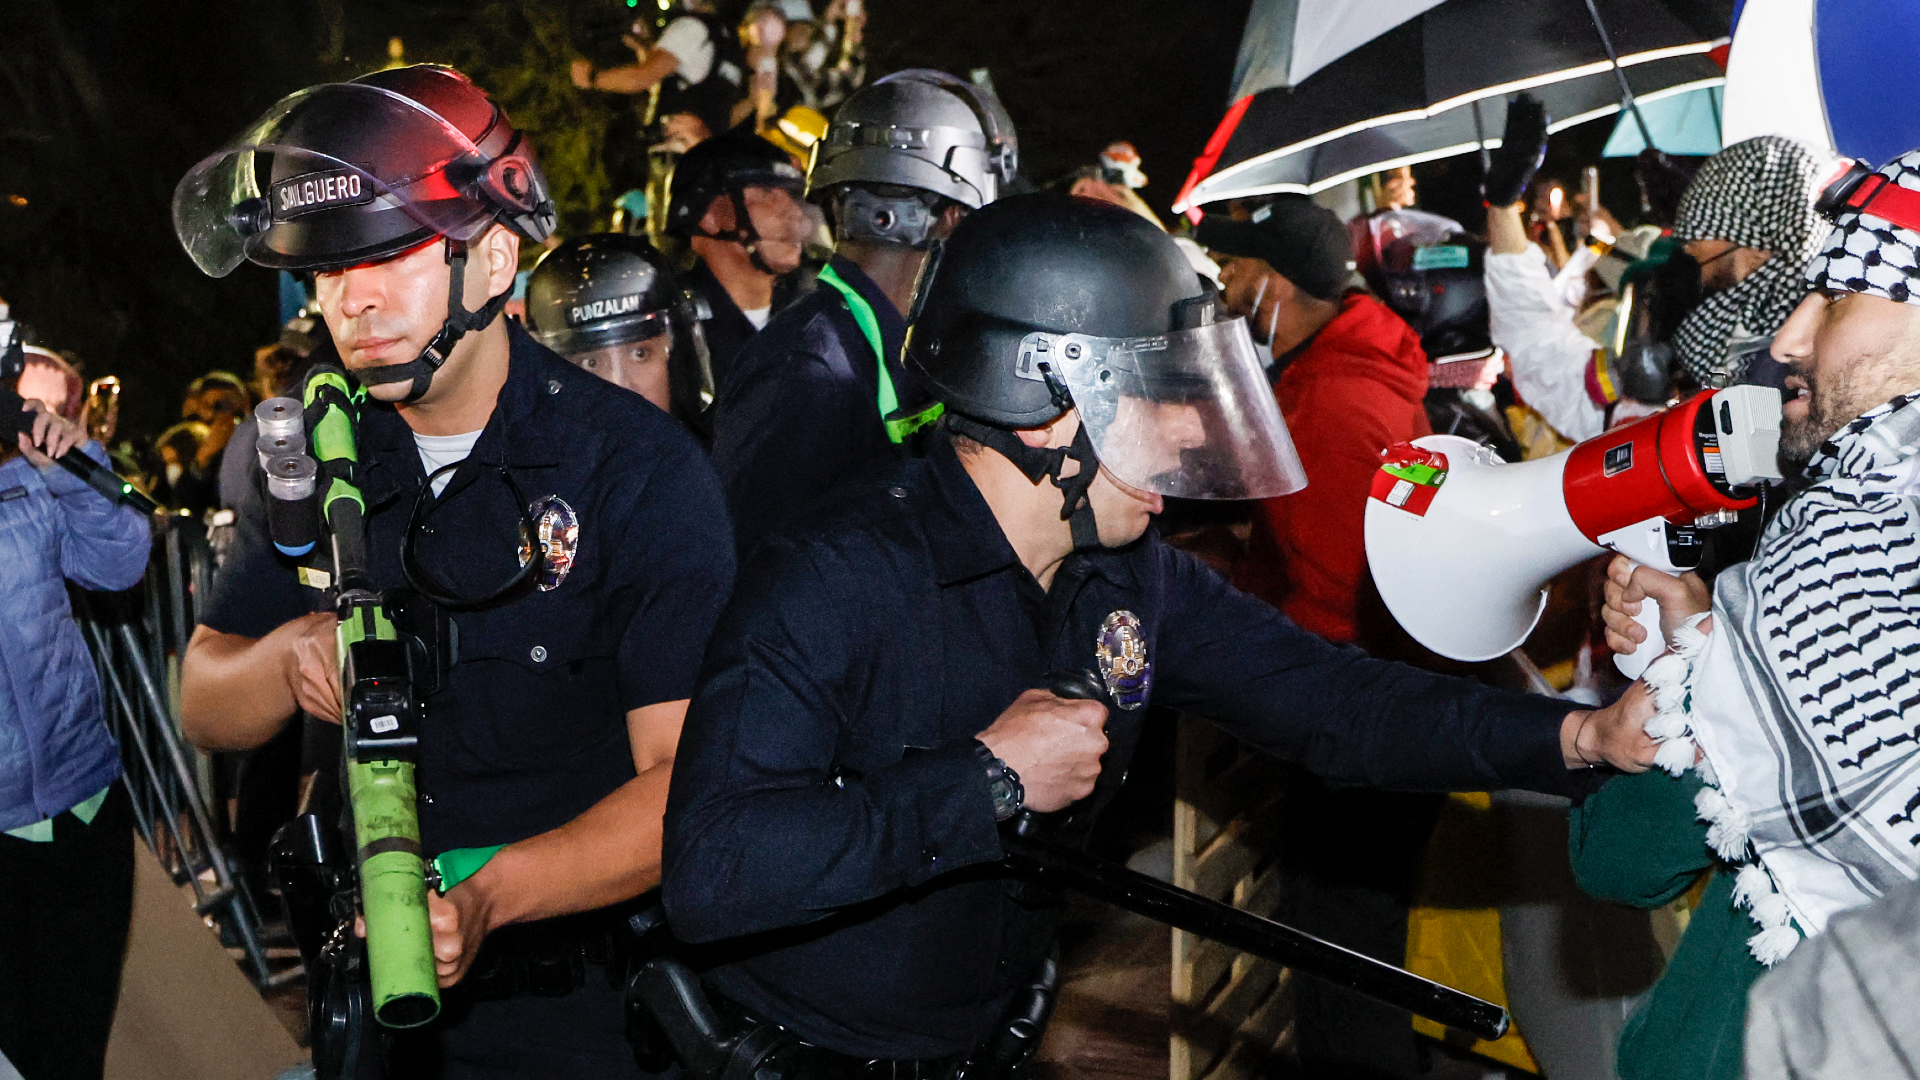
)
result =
(583, 74)
(460, 921)
(1680, 598)
(50, 436)
(1054, 743)
(313, 672)
(1615, 735)
(1523, 147)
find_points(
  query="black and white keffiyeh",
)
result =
(1867, 254)
(1758, 194)
(1803, 704)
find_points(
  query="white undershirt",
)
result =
(440, 451)
(758, 316)
(687, 39)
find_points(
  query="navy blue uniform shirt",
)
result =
(531, 729)
(800, 411)
(826, 798)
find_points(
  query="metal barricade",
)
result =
(138, 638)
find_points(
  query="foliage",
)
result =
(522, 59)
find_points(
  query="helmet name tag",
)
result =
(595, 310)
(314, 191)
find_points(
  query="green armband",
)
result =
(450, 868)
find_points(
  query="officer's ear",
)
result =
(497, 255)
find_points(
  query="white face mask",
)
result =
(1273, 321)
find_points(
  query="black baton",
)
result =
(1033, 857)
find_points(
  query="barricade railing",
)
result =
(138, 638)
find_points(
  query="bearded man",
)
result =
(1788, 702)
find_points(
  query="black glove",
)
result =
(1522, 148)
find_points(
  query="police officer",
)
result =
(820, 394)
(611, 304)
(868, 709)
(736, 200)
(407, 194)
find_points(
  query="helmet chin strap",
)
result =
(460, 322)
(744, 234)
(1076, 508)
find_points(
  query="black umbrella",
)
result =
(1436, 85)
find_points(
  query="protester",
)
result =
(699, 66)
(1789, 688)
(51, 378)
(66, 831)
(825, 60)
(1746, 219)
(1351, 380)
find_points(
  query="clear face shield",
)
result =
(1188, 414)
(265, 195)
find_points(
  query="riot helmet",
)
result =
(921, 130)
(1044, 302)
(594, 298)
(342, 174)
(727, 165)
(1432, 274)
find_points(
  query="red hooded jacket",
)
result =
(1358, 387)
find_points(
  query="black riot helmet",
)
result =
(1043, 302)
(1440, 290)
(612, 289)
(347, 173)
(726, 165)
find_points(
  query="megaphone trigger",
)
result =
(1635, 663)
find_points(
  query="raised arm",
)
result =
(1353, 719)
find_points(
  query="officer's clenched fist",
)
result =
(1054, 743)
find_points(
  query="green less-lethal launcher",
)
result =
(381, 727)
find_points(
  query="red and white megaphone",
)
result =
(1462, 544)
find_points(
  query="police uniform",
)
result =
(827, 798)
(727, 328)
(529, 729)
(799, 413)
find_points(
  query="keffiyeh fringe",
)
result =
(1728, 828)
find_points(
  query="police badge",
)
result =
(559, 537)
(1121, 650)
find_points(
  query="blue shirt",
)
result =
(55, 750)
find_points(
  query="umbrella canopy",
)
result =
(1839, 75)
(1687, 122)
(1287, 40)
(1375, 107)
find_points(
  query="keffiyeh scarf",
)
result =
(1803, 704)
(1758, 194)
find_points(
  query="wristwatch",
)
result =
(1002, 783)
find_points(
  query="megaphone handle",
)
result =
(1635, 663)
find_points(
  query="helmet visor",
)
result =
(1187, 414)
(587, 336)
(329, 174)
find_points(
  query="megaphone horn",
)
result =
(1462, 544)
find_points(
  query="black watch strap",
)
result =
(1003, 784)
